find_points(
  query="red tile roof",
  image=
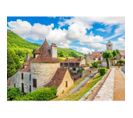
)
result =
(44, 50)
(41, 59)
(58, 77)
(26, 65)
(73, 60)
(96, 55)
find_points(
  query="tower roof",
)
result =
(43, 50)
(45, 44)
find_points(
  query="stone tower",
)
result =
(53, 50)
(109, 46)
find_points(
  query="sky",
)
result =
(83, 34)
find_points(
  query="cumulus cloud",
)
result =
(98, 46)
(119, 44)
(83, 50)
(20, 27)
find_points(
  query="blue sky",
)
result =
(84, 34)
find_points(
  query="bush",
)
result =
(12, 93)
(46, 93)
(102, 71)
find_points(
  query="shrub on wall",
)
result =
(12, 93)
(46, 93)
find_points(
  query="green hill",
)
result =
(17, 48)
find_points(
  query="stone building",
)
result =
(40, 70)
(94, 56)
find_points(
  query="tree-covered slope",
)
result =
(17, 48)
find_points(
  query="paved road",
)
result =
(83, 82)
(106, 92)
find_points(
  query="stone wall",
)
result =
(16, 81)
(43, 72)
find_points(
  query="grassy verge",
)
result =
(77, 95)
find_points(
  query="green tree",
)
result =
(107, 55)
(13, 63)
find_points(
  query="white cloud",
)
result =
(76, 31)
(98, 46)
(83, 50)
(88, 21)
(20, 27)
(119, 44)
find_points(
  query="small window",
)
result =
(66, 84)
(30, 88)
(14, 85)
(30, 77)
(34, 83)
(22, 87)
(22, 76)
(74, 69)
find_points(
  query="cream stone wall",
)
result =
(62, 88)
(43, 72)
(83, 62)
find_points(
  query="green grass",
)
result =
(77, 95)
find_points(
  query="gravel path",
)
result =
(106, 92)
(119, 86)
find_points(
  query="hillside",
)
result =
(17, 48)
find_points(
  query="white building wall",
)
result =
(16, 81)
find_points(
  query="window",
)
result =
(34, 83)
(30, 88)
(30, 77)
(66, 84)
(22, 87)
(74, 69)
(14, 85)
(22, 76)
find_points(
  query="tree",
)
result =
(114, 54)
(13, 63)
(107, 55)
